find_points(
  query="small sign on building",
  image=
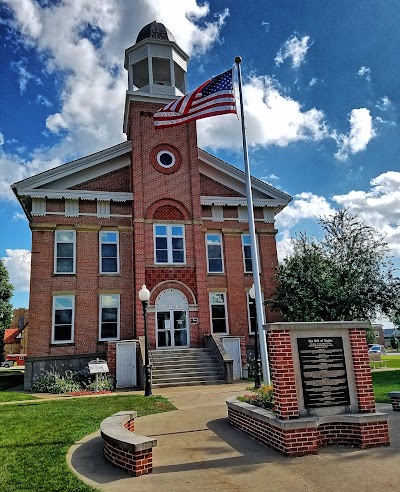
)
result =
(98, 367)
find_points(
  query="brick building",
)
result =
(16, 336)
(153, 210)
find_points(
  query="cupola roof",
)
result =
(155, 30)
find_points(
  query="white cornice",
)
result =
(143, 97)
(236, 201)
(77, 194)
(76, 166)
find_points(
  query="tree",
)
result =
(347, 275)
(6, 292)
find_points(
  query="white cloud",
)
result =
(18, 216)
(384, 103)
(293, 48)
(1, 139)
(271, 119)
(313, 81)
(24, 76)
(379, 206)
(40, 99)
(284, 245)
(92, 94)
(270, 177)
(361, 132)
(13, 168)
(18, 264)
(365, 72)
(305, 205)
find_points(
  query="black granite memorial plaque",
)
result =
(323, 372)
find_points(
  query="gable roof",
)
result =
(10, 334)
(86, 178)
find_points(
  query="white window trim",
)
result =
(55, 252)
(226, 313)
(248, 310)
(169, 244)
(100, 256)
(258, 254)
(53, 341)
(118, 318)
(222, 252)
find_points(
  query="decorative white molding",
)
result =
(39, 206)
(71, 207)
(236, 201)
(217, 213)
(78, 194)
(242, 214)
(103, 209)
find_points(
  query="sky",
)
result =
(320, 86)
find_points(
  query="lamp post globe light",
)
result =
(144, 296)
(257, 362)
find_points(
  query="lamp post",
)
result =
(144, 296)
(257, 362)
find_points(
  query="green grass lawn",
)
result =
(392, 360)
(384, 382)
(15, 396)
(35, 438)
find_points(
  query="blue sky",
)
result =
(321, 91)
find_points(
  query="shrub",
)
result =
(262, 397)
(53, 382)
(103, 384)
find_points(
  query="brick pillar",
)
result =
(362, 371)
(282, 374)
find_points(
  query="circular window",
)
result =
(166, 159)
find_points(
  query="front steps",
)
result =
(185, 367)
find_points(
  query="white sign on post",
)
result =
(98, 367)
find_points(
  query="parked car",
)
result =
(377, 349)
(7, 363)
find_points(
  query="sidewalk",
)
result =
(198, 450)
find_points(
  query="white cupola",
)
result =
(156, 65)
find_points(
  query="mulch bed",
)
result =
(89, 393)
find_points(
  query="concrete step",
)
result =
(182, 373)
(187, 383)
(195, 366)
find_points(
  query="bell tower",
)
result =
(157, 68)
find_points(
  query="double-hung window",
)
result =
(215, 263)
(246, 248)
(109, 317)
(65, 251)
(169, 244)
(252, 315)
(219, 319)
(109, 252)
(63, 319)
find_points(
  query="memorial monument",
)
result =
(322, 389)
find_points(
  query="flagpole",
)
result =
(253, 243)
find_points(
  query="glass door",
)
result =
(172, 329)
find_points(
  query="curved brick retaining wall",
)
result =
(124, 448)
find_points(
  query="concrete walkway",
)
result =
(198, 450)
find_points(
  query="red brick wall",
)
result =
(362, 371)
(282, 374)
(118, 180)
(210, 187)
(135, 463)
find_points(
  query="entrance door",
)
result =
(126, 364)
(232, 348)
(172, 319)
(172, 329)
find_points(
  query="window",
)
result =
(109, 317)
(246, 247)
(214, 253)
(248, 268)
(169, 244)
(219, 322)
(252, 315)
(65, 252)
(109, 257)
(63, 319)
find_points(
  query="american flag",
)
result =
(212, 98)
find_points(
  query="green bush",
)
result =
(262, 397)
(53, 382)
(103, 384)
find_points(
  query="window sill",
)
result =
(108, 274)
(216, 273)
(109, 340)
(64, 274)
(63, 344)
